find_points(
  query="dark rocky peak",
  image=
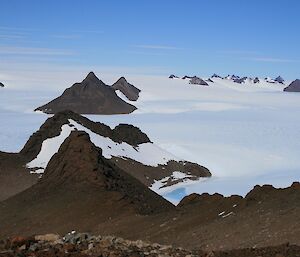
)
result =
(293, 87)
(80, 164)
(240, 80)
(1, 84)
(130, 91)
(91, 96)
(91, 77)
(198, 81)
(279, 79)
(216, 76)
(122, 80)
(188, 77)
(235, 77)
(232, 77)
(90, 81)
(172, 76)
(256, 80)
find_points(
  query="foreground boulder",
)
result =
(293, 87)
(91, 96)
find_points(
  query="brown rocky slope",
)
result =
(78, 190)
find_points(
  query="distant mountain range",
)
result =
(234, 78)
(292, 87)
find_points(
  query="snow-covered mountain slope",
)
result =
(246, 134)
(126, 146)
(146, 153)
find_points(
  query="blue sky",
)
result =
(254, 38)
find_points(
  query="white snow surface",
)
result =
(246, 134)
(146, 153)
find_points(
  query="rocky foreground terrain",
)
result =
(84, 245)
(83, 189)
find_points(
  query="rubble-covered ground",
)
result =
(83, 244)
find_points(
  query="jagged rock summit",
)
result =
(91, 96)
(293, 87)
(130, 91)
(1, 84)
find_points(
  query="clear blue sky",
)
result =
(254, 37)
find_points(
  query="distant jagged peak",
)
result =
(172, 76)
(198, 81)
(280, 80)
(216, 76)
(232, 77)
(188, 77)
(256, 80)
(1, 84)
